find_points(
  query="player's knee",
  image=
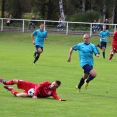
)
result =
(15, 81)
(94, 75)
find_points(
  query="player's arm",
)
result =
(96, 52)
(55, 96)
(32, 36)
(45, 36)
(70, 54)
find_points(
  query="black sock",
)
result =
(81, 83)
(36, 58)
(90, 77)
(99, 46)
(103, 54)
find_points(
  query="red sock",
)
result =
(10, 82)
(14, 92)
(111, 56)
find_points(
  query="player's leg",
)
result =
(92, 74)
(14, 92)
(113, 51)
(103, 45)
(38, 52)
(85, 75)
(10, 82)
(82, 80)
(111, 55)
(23, 94)
(11, 89)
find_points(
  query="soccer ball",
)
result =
(31, 92)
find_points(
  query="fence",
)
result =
(51, 26)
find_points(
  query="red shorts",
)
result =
(25, 85)
(114, 47)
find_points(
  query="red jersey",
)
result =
(41, 90)
(114, 42)
(115, 37)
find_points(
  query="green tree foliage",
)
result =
(49, 9)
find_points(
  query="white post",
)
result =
(90, 30)
(67, 29)
(2, 25)
(23, 26)
(114, 28)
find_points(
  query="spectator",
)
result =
(94, 27)
(9, 20)
(99, 26)
(32, 22)
(60, 25)
(106, 22)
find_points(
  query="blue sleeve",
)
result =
(75, 47)
(97, 50)
(34, 33)
(100, 34)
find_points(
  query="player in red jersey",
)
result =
(114, 46)
(45, 89)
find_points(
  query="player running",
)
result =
(114, 46)
(104, 34)
(85, 52)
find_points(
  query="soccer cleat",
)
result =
(2, 80)
(86, 85)
(8, 88)
(78, 90)
(34, 63)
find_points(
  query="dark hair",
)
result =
(58, 82)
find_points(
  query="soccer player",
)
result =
(104, 34)
(114, 46)
(45, 89)
(38, 37)
(86, 51)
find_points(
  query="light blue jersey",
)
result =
(104, 35)
(39, 37)
(85, 52)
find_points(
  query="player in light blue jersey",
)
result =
(38, 37)
(85, 52)
(104, 34)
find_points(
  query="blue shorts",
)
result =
(87, 68)
(103, 44)
(37, 46)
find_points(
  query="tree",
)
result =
(2, 8)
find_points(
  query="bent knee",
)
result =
(15, 81)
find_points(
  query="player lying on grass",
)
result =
(43, 90)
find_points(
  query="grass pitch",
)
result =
(16, 57)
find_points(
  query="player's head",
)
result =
(42, 26)
(104, 27)
(86, 38)
(55, 84)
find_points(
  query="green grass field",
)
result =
(16, 57)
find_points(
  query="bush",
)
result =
(88, 16)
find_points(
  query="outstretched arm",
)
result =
(70, 54)
(32, 36)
